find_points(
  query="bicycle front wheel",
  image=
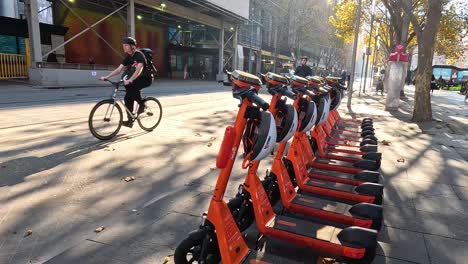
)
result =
(150, 118)
(105, 119)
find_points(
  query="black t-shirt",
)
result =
(131, 61)
(303, 71)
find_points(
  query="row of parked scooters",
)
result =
(325, 173)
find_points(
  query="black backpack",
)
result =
(150, 68)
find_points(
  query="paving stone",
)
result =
(196, 205)
(445, 250)
(395, 243)
(138, 251)
(387, 260)
(125, 225)
(85, 252)
(169, 230)
(439, 204)
(462, 192)
(422, 188)
(402, 218)
(396, 197)
(452, 172)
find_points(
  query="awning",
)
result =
(283, 57)
(267, 53)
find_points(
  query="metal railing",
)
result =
(74, 66)
(13, 66)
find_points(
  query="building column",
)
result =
(221, 50)
(131, 18)
(259, 62)
(34, 31)
(235, 61)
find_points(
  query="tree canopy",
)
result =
(390, 15)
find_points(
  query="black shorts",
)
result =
(140, 83)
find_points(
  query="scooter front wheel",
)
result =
(190, 250)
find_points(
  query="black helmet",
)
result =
(129, 40)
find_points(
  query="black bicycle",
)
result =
(106, 117)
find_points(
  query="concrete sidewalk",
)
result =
(425, 203)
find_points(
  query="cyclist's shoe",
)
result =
(128, 123)
(141, 109)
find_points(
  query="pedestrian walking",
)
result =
(379, 86)
(186, 71)
(433, 84)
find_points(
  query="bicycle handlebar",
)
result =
(120, 82)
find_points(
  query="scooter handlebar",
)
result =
(254, 98)
(309, 93)
(342, 87)
(288, 93)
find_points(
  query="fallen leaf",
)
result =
(322, 260)
(198, 135)
(439, 127)
(212, 138)
(109, 149)
(28, 233)
(412, 128)
(401, 160)
(128, 179)
(72, 131)
(166, 260)
(209, 144)
(212, 169)
(385, 142)
(99, 229)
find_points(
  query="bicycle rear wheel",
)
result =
(150, 118)
(105, 119)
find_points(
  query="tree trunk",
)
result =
(422, 98)
(426, 41)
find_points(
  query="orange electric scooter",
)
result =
(351, 244)
(362, 214)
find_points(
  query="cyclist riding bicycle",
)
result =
(136, 77)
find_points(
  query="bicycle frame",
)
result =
(118, 100)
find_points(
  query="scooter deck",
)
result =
(343, 135)
(365, 176)
(305, 228)
(365, 192)
(349, 142)
(334, 162)
(331, 185)
(361, 215)
(257, 257)
(322, 204)
(348, 155)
